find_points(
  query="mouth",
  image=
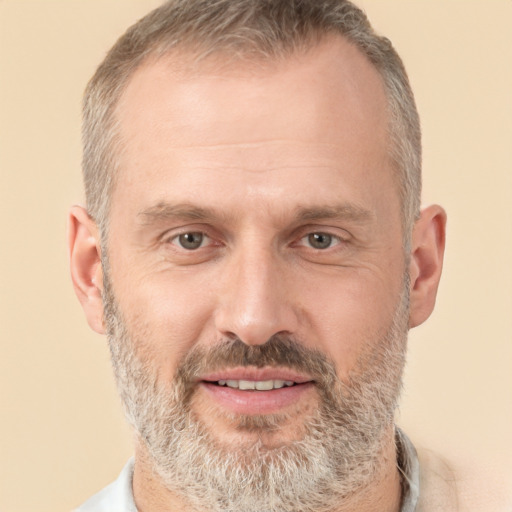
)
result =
(258, 385)
(256, 391)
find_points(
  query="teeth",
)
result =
(261, 385)
(264, 385)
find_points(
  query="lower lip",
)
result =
(256, 402)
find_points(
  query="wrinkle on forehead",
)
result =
(258, 157)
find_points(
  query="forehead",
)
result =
(332, 76)
(324, 107)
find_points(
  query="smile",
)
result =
(252, 395)
(259, 385)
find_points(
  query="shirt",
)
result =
(118, 496)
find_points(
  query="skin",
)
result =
(257, 157)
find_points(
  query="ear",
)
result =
(85, 263)
(427, 251)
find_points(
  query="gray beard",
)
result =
(340, 450)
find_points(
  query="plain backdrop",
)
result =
(62, 433)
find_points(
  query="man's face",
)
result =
(258, 203)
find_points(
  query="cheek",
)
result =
(348, 317)
(165, 318)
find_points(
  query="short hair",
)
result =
(252, 29)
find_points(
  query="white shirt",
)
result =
(116, 497)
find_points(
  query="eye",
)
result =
(191, 241)
(320, 240)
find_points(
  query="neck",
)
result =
(382, 495)
(385, 492)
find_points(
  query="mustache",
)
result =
(278, 351)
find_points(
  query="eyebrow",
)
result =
(167, 211)
(348, 211)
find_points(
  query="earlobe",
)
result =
(426, 263)
(85, 265)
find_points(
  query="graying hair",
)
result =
(254, 29)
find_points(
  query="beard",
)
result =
(339, 450)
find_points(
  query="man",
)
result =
(254, 249)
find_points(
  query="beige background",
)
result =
(62, 435)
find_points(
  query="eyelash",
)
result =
(175, 240)
(333, 240)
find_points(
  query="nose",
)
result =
(255, 298)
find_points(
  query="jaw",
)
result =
(257, 463)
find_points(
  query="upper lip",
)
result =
(256, 374)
